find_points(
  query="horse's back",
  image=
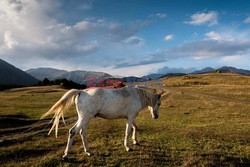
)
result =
(111, 103)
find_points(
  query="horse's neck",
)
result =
(145, 97)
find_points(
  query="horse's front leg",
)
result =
(83, 133)
(128, 132)
(134, 136)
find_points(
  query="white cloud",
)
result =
(9, 41)
(247, 20)
(158, 15)
(32, 36)
(29, 30)
(204, 18)
(168, 37)
(161, 15)
(88, 47)
(213, 36)
(136, 41)
(240, 61)
(228, 35)
(230, 59)
(216, 45)
(139, 70)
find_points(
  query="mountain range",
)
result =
(77, 76)
(10, 75)
(181, 71)
(224, 69)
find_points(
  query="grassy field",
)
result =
(204, 122)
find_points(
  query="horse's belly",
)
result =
(111, 115)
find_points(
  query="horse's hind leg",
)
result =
(72, 132)
(83, 133)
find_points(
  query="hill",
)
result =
(77, 76)
(10, 75)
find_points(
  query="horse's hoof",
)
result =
(65, 157)
(137, 143)
(89, 153)
(128, 149)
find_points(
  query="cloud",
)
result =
(204, 18)
(151, 58)
(213, 36)
(247, 20)
(138, 63)
(88, 47)
(215, 45)
(165, 70)
(158, 15)
(87, 5)
(240, 61)
(141, 70)
(230, 59)
(161, 15)
(227, 43)
(9, 41)
(30, 30)
(206, 49)
(168, 37)
(223, 36)
(133, 41)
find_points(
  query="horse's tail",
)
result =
(59, 107)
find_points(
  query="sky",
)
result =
(125, 37)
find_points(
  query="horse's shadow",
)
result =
(154, 153)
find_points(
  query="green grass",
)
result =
(204, 122)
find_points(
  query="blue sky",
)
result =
(125, 37)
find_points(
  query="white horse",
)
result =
(104, 103)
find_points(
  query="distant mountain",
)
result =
(153, 76)
(77, 76)
(226, 69)
(41, 73)
(166, 71)
(134, 79)
(173, 75)
(204, 70)
(9, 74)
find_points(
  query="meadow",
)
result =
(204, 121)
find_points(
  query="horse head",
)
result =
(156, 102)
